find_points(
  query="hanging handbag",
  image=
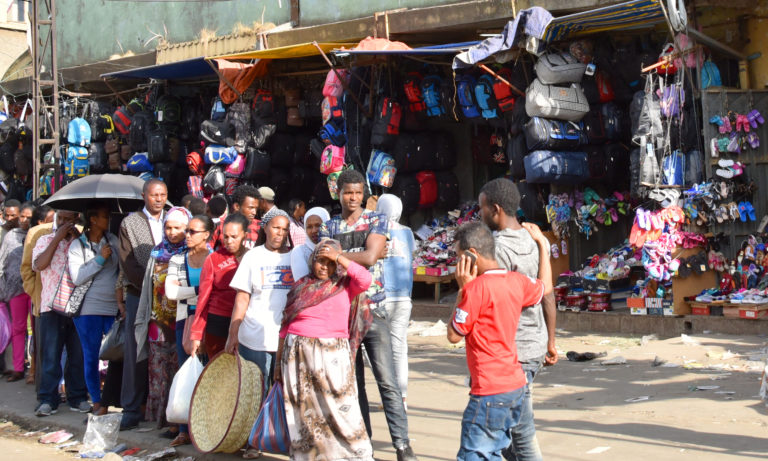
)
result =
(68, 299)
(112, 345)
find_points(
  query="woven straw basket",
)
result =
(225, 404)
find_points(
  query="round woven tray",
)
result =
(225, 404)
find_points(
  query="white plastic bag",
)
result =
(101, 433)
(181, 390)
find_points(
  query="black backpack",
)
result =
(239, 115)
(99, 117)
(7, 161)
(386, 123)
(282, 148)
(191, 117)
(446, 150)
(9, 131)
(22, 160)
(157, 146)
(447, 190)
(168, 109)
(98, 161)
(257, 165)
(141, 125)
(164, 171)
(222, 133)
(408, 190)
(516, 152)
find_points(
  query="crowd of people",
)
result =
(300, 293)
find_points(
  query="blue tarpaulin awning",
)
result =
(188, 68)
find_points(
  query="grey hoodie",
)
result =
(516, 250)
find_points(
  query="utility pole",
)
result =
(44, 80)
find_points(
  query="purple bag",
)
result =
(5, 327)
(672, 99)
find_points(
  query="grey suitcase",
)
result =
(554, 68)
(561, 102)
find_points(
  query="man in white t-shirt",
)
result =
(262, 281)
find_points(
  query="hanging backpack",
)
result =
(263, 107)
(134, 105)
(195, 163)
(556, 68)
(218, 132)
(485, 98)
(505, 99)
(7, 161)
(100, 120)
(257, 165)
(332, 159)
(121, 118)
(412, 87)
(408, 190)
(236, 168)
(673, 169)
(332, 109)
(710, 75)
(465, 93)
(218, 111)
(517, 149)
(559, 102)
(386, 123)
(544, 166)
(168, 111)
(333, 84)
(79, 132)
(163, 171)
(22, 160)
(431, 91)
(214, 181)
(381, 169)
(157, 146)
(97, 158)
(427, 188)
(239, 116)
(216, 154)
(447, 190)
(76, 164)
(141, 125)
(333, 185)
(195, 186)
(333, 133)
(139, 163)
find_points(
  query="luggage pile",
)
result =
(15, 150)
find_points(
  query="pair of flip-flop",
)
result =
(746, 211)
(729, 169)
(666, 197)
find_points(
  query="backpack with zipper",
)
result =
(333, 86)
(544, 166)
(447, 190)
(239, 116)
(79, 132)
(542, 133)
(100, 120)
(121, 119)
(195, 186)
(7, 161)
(218, 111)
(214, 180)
(408, 190)
(431, 92)
(485, 98)
(332, 109)
(218, 132)
(412, 87)
(427, 188)
(516, 152)
(22, 159)
(97, 158)
(168, 112)
(334, 133)
(465, 94)
(76, 164)
(157, 146)
(141, 125)
(139, 163)
(195, 163)
(236, 168)
(263, 107)
(163, 171)
(381, 169)
(505, 99)
(386, 123)
(332, 160)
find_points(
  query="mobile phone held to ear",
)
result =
(472, 257)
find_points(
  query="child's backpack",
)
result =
(332, 160)
(76, 165)
(465, 93)
(381, 169)
(333, 133)
(332, 109)
(431, 87)
(333, 86)
(485, 98)
(78, 132)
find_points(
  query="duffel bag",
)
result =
(554, 68)
(220, 155)
(605, 123)
(545, 166)
(447, 190)
(139, 163)
(381, 169)
(556, 101)
(542, 133)
(216, 132)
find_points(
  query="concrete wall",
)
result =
(93, 30)
(327, 11)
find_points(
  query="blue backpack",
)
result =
(334, 134)
(139, 163)
(79, 132)
(710, 75)
(218, 111)
(465, 93)
(430, 92)
(486, 100)
(216, 154)
(77, 164)
(381, 169)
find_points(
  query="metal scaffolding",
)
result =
(45, 119)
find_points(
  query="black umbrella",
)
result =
(122, 192)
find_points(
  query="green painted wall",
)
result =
(315, 12)
(89, 30)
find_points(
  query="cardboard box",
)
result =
(668, 311)
(421, 270)
(659, 306)
(638, 311)
(436, 271)
(753, 312)
(731, 311)
(699, 309)
(691, 285)
(636, 302)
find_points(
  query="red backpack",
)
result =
(502, 91)
(428, 186)
(196, 163)
(413, 92)
(121, 118)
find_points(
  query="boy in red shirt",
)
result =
(490, 302)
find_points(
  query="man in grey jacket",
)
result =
(517, 251)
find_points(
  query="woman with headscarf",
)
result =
(314, 360)
(182, 285)
(313, 220)
(262, 282)
(398, 284)
(156, 318)
(216, 298)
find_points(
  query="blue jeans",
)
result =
(133, 393)
(91, 329)
(525, 445)
(378, 346)
(58, 333)
(265, 361)
(182, 355)
(486, 427)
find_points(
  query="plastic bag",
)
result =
(5, 327)
(101, 433)
(182, 387)
(270, 432)
(112, 344)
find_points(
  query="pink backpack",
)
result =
(235, 169)
(332, 160)
(333, 86)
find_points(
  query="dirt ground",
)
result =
(584, 411)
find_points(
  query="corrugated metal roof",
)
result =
(215, 46)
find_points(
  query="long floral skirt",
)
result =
(321, 407)
(162, 367)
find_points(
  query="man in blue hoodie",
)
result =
(516, 250)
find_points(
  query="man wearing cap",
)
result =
(267, 200)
